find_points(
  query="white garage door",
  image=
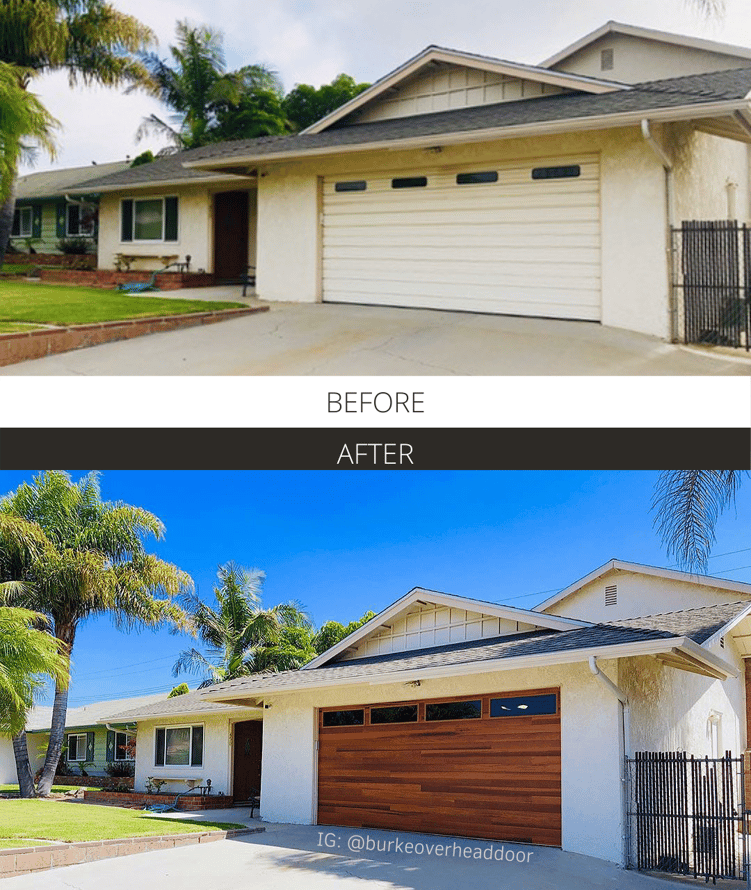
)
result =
(519, 238)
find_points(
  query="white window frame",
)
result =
(191, 727)
(127, 757)
(79, 736)
(79, 233)
(22, 211)
(163, 199)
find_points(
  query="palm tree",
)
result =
(89, 39)
(79, 557)
(27, 654)
(197, 85)
(243, 637)
(688, 504)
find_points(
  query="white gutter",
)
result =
(624, 744)
(670, 220)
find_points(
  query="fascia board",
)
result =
(131, 718)
(172, 183)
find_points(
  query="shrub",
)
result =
(77, 246)
(119, 769)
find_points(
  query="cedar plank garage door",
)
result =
(516, 246)
(493, 777)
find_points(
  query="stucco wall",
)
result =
(638, 595)
(590, 718)
(217, 751)
(7, 762)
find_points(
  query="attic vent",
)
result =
(722, 642)
(611, 596)
(607, 60)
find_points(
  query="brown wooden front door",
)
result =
(230, 235)
(493, 774)
(247, 771)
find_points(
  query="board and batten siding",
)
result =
(518, 246)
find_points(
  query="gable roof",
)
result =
(89, 715)
(694, 97)
(421, 595)
(646, 34)
(675, 637)
(736, 587)
(58, 183)
(440, 54)
(178, 706)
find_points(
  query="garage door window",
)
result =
(399, 714)
(524, 706)
(572, 172)
(454, 710)
(475, 178)
(344, 718)
(410, 182)
(359, 186)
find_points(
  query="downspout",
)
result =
(624, 744)
(666, 162)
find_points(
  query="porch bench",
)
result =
(127, 259)
(189, 782)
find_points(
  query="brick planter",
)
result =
(27, 860)
(26, 345)
(94, 781)
(106, 278)
(44, 259)
(190, 803)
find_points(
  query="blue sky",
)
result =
(343, 543)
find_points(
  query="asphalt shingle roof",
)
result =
(696, 624)
(88, 715)
(56, 183)
(191, 703)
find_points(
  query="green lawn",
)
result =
(57, 789)
(63, 305)
(14, 268)
(10, 327)
(71, 822)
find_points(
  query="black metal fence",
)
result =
(686, 815)
(712, 281)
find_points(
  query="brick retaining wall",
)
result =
(107, 278)
(27, 860)
(191, 803)
(26, 345)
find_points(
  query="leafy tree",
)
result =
(180, 689)
(687, 504)
(78, 557)
(333, 632)
(146, 157)
(203, 96)
(89, 39)
(243, 637)
(305, 104)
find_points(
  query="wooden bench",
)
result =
(127, 259)
(161, 780)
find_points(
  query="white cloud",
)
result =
(312, 42)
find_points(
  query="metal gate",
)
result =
(712, 282)
(686, 815)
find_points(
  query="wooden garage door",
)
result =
(515, 239)
(488, 767)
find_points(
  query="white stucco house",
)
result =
(465, 182)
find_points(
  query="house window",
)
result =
(410, 182)
(344, 718)
(22, 222)
(523, 706)
(77, 747)
(79, 220)
(398, 714)
(473, 178)
(122, 741)
(359, 186)
(454, 710)
(179, 746)
(149, 219)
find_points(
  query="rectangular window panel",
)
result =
(410, 182)
(557, 172)
(473, 178)
(398, 714)
(454, 710)
(359, 186)
(159, 758)
(126, 227)
(170, 219)
(344, 718)
(196, 747)
(74, 219)
(148, 220)
(524, 706)
(77, 747)
(22, 222)
(177, 751)
(121, 746)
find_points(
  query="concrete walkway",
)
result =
(296, 339)
(290, 857)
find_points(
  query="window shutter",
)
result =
(66, 748)
(16, 230)
(126, 229)
(170, 219)
(159, 758)
(89, 745)
(110, 746)
(60, 211)
(36, 221)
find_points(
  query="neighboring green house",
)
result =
(49, 207)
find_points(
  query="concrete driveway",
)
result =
(297, 339)
(294, 857)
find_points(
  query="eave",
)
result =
(220, 177)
